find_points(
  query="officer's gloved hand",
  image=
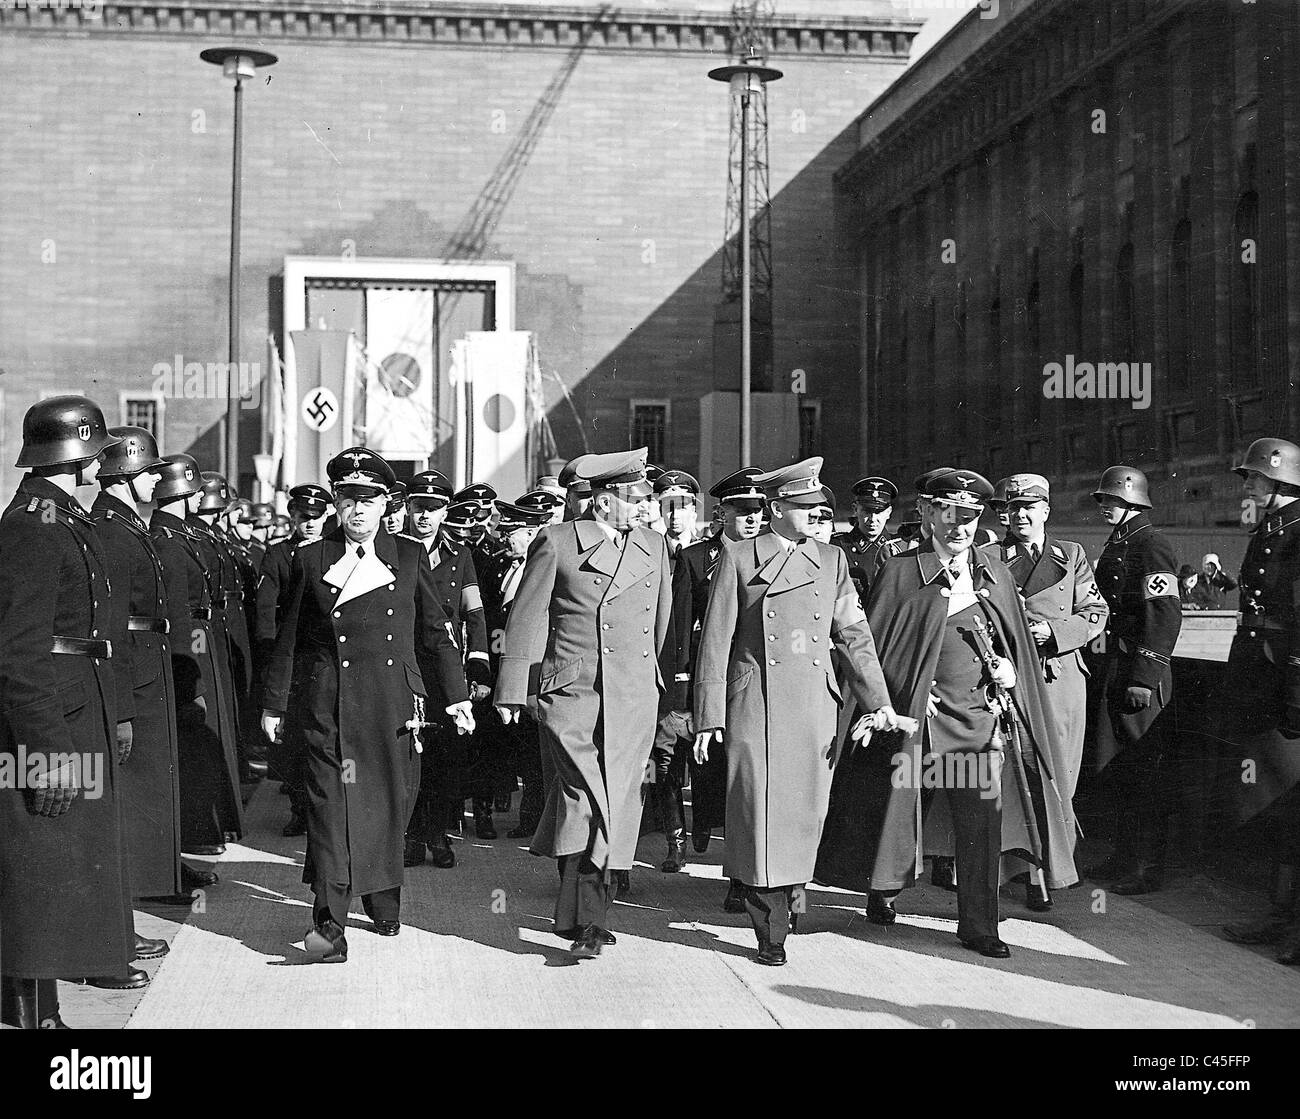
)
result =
(125, 739)
(51, 794)
(463, 716)
(1290, 725)
(478, 675)
(1003, 673)
(1137, 699)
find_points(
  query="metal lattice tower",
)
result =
(751, 34)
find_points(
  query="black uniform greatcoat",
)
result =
(872, 839)
(150, 775)
(1262, 679)
(1137, 576)
(206, 735)
(692, 579)
(357, 674)
(64, 888)
(285, 754)
(863, 556)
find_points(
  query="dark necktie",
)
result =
(1033, 553)
(361, 551)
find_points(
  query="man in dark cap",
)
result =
(678, 495)
(588, 623)
(1137, 575)
(958, 657)
(515, 746)
(780, 604)
(873, 502)
(65, 898)
(577, 489)
(362, 607)
(740, 503)
(443, 770)
(395, 510)
(309, 504)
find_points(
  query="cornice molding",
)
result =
(1053, 48)
(500, 26)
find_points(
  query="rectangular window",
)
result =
(1182, 432)
(1127, 440)
(649, 428)
(143, 409)
(810, 423)
(1075, 445)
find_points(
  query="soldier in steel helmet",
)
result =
(65, 904)
(1259, 704)
(1137, 575)
(128, 475)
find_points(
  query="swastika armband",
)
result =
(1160, 584)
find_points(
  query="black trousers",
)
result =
(977, 826)
(334, 899)
(584, 894)
(1145, 796)
(769, 912)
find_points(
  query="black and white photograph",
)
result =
(667, 515)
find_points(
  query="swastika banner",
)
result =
(326, 365)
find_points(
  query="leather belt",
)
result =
(81, 646)
(201, 613)
(137, 624)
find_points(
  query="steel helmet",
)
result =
(177, 477)
(216, 492)
(63, 429)
(136, 452)
(1127, 483)
(263, 515)
(1276, 459)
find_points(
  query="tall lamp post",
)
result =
(746, 79)
(236, 63)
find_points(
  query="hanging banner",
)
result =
(400, 372)
(498, 365)
(325, 374)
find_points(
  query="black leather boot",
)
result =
(484, 828)
(676, 859)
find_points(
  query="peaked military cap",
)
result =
(360, 468)
(624, 472)
(551, 484)
(962, 488)
(571, 478)
(310, 498)
(1027, 488)
(738, 486)
(478, 491)
(876, 494)
(467, 514)
(430, 483)
(798, 484)
(396, 498)
(517, 515)
(676, 483)
(540, 500)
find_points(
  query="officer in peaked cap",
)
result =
(577, 489)
(781, 604)
(142, 669)
(1259, 701)
(516, 746)
(678, 494)
(952, 632)
(65, 907)
(593, 606)
(551, 484)
(1137, 574)
(740, 507)
(308, 506)
(466, 521)
(481, 492)
(446, 764)
(395, 509)
(361, 608)
(359, 470)
(873, 502)
(1066, 611)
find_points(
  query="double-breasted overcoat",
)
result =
(347, 647)
(764, 676)
(587, 627)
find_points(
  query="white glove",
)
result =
(463, 714)
(1003, 673)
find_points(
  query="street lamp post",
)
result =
(236, 63)
(745, 79)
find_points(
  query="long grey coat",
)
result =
(586, 630)
(765, 676)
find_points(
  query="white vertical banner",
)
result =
(457, 376)
(400, 372)
(498, 364)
